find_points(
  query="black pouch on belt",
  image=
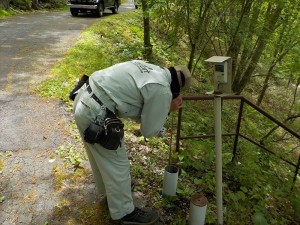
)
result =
(113, 132)
(93, 133)
(108, 133)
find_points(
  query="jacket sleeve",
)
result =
(157, 100)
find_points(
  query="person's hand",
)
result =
(176, 104)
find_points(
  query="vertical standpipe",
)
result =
(218, 151)
(222, 86)
(170, 180)
(198, 207)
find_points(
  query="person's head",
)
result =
(181, 80)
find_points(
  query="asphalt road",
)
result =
(30, 44)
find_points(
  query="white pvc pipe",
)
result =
(218, 151)
(198, 207)
(170, 180)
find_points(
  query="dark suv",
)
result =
(94, 6)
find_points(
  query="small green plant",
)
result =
(8, 153)
(2, 198)
(1, 165)
(73, 155)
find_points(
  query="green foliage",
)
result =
(22, 4)
(251, 32)
(157, 143)
(2, 198)
(254, 175)
(27, 5)
(296, 206)
(98, 48)
(73, 155)
(259, 219)
(4, 13)
(51, 4)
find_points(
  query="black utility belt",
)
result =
(89, 89)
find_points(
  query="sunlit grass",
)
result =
(6, 13)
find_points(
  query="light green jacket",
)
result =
(140, 91)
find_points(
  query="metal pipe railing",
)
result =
(264, 148)
(237, 133)
(271, 118)
(236, 139)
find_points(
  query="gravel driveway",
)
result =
(32, 128)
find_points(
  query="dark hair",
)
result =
(175, 86)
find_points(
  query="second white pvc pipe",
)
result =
(198, 207)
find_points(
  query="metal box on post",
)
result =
(222, 74)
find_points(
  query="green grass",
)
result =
(15, 10)
(6, 13)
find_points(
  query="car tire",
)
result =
(100, 10)
(115, 8)
(74, 12)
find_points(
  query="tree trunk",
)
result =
(269, 74)
(147, 41)
(192, 56)
(35, 4)
(4, 4)
(196, 33)
(271, 19)
(265, 87)
(240, 65)
(236, 43)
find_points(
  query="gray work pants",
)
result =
(111, 169)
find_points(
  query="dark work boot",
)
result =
(140, 217)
